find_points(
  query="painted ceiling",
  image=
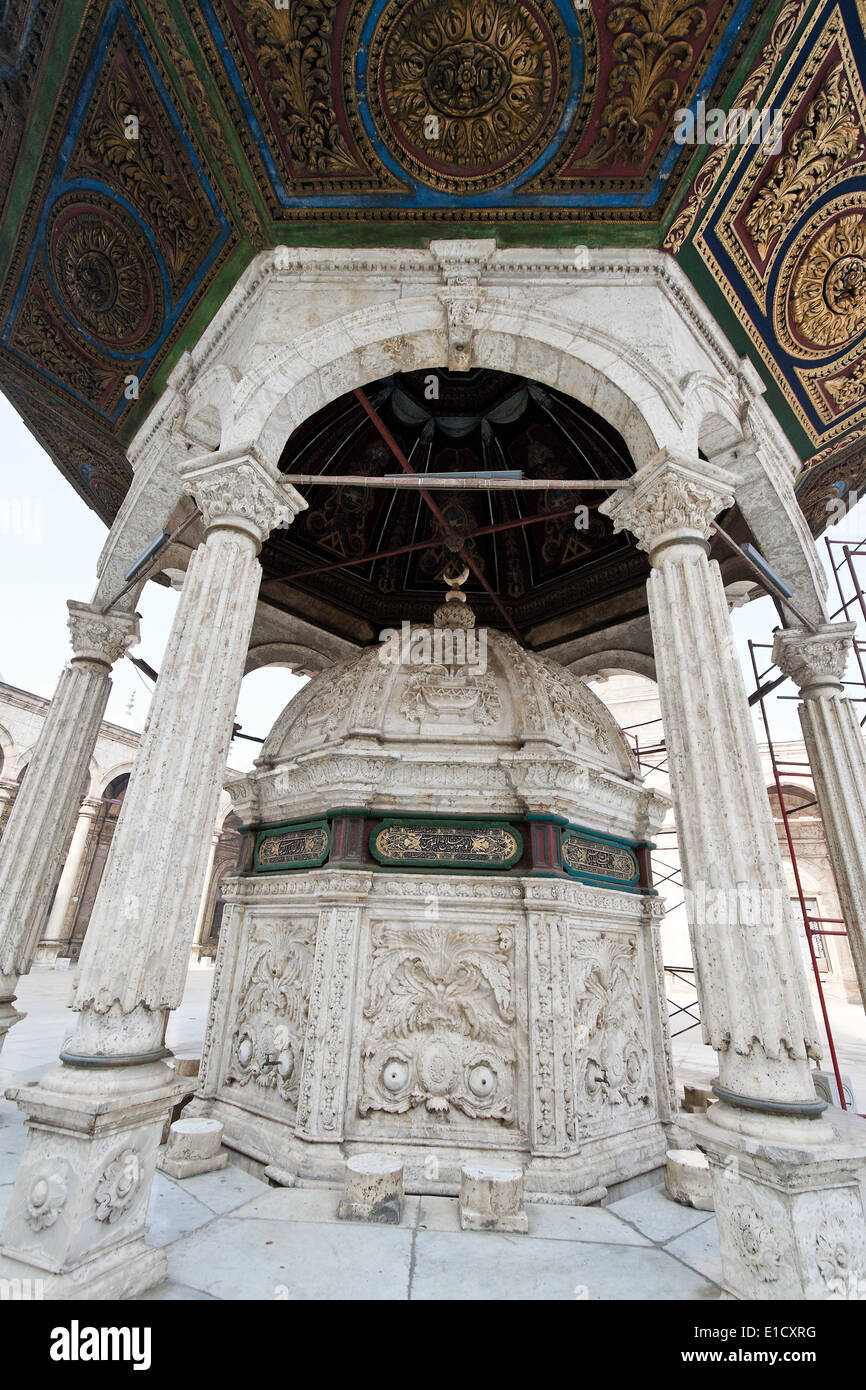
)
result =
(264, 122)
(539, 565)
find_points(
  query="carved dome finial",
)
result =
(455, 611)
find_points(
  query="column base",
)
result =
(791, 1217)
(126, 1272)
(9, 1016)
(76, 1218)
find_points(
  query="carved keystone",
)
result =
(193, 1147)
(688, 1180)
(491, 1198)
(374, 1189)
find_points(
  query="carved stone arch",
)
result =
(21, 762)
(302, 660)
(630, 662)
(7, 752)
(292, 383)
(712, 421)
(105, 779)
(210, 406)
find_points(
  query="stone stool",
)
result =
(687, 1179)
(193, 1147)
(491, 1198)
(374, 1189)
(697, 1099)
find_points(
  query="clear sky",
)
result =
(49, 544)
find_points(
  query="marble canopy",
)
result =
(257, 124)
(446, 903)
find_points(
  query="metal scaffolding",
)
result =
(848, 565)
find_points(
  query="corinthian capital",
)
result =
(672, 498)
(101, 637)
(815, 661)
(239, 491)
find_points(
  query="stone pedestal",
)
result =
(837, 755)
(77, 1214)
(374, 1189)
(41, 818)
(193, 1147)
(786, 1189)
(491, 1198)
(790, 1216)
(688, 1180)
(100, 1117)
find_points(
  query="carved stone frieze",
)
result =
(435, 693)
(119, 1185)
(46, 1199)
(757, 1242)
(271, 1017)
(440, 1022)
(612, 1062)
(322, 1098)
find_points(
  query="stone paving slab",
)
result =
(173, 1212)
(656, 1215)
(311, 1204)
(287, 1244)
(235, 1258)
(490, 1266)
(224, 1190)
(699, 1248)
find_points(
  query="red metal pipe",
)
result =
(428, 545)
(407, 468)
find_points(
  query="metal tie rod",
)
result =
(424, 482)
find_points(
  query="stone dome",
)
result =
(512, 733)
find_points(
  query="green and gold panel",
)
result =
(446, 844)
(292, 847)
(587, 857)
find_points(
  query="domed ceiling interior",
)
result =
(534, 573)
(267, 123)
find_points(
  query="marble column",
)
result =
(816, 662)
(755, 1006)
(56, 928)
(205, 897)
(42, 817)
(786, 1185)
(80, 1199)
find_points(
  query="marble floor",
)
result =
(228, 1235)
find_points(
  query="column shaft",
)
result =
(135, 953)
(834, 741)
(816, 662)
(41, 819)
(755, 1006)
(95, 1122)
(55, 927)
(44, 810)
(753, 985)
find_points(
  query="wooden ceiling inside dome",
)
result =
(539, 571)
(309, 121)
